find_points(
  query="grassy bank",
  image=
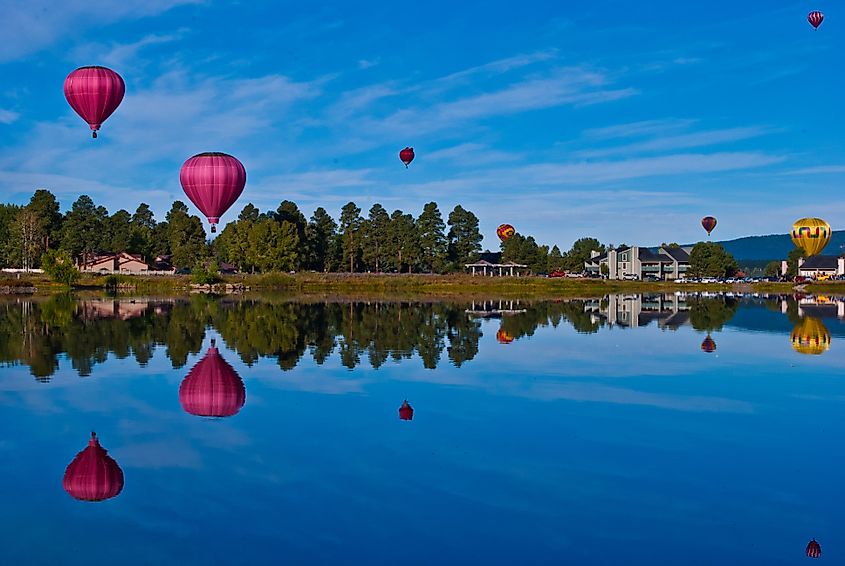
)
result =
(413, 286)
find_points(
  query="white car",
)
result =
(630, 276)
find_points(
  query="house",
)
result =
(124, 263)
(818, 265)
(490, 263)
(667, 310)
(665, 263)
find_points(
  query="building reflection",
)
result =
(667, 310)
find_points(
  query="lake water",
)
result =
(655, 429)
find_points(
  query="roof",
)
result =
(647, 255)
(490, 257)
(821, 262)
(678, 254)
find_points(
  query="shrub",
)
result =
(59, 267)
(206, 274)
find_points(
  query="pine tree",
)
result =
(375, 238)
(323, 242)
(402, 241)
(464, 238)
(350, 232)
(432, 240)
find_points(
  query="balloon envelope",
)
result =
(503, 337)
(815, 18)
(406, 412)
(708, 345)
(407, 155)
(708, 223)
(810, 336)
(93, 475)
(505, 231)
(810, 235)
(814, 550)
(212, 388)
(94, 93)
(213, 182)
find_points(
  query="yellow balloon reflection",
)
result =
(810, 235)
(810, 336)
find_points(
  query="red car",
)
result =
(557, 273)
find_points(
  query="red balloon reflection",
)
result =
(93, 475)
(212, 388)
(814, 550)
(406, 412)
(709, 345)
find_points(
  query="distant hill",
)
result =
(776, 246)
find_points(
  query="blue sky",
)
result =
(619, 120)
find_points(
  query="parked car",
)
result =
(557, 273)
(651, 278)
(630, 277)
(183, 271)
(575, 275)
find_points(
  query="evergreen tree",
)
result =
(432, 239)
(118, 233)
(402, 241)
(8, 212)
(324, 251)
(46, 208)
(464, 238)
(185, 235)
(83, 228)
(273, 245)
(141, 228)
(580, 252)
(350, 233)
(555, 262)
(374, 252)
(289, 212)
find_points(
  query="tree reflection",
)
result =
(37, 332)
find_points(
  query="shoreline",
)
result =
(412, 286)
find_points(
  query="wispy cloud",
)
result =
(680, 141)
(119, 55)
(818, 170)
(638, 129)
(28, 26)
(8, 117)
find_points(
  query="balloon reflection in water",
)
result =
(810, 336)
(708, 345)
(406, 412)
(814, 550)
(93, 475)
(212, 388)
(503, 337)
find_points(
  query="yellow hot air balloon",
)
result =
(810, 336)
(810, 235)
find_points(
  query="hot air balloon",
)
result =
(815, 18)
(94, 93)
(407, 155)
(406, 412)
(708, 345)
(212, 388)
(811, 235)
(502, 337)
(810, 336)
(708, 223)
(93, 475)
(505, 231)
(814, 550)
(213, 181)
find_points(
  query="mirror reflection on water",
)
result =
(622, 429)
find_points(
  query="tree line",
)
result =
(277, 240)
(37, 333)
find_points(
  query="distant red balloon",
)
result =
(709, 345)
(407, 155)
(93, 475)
(213, 181)
(708, 223)
(505, 231)
(212, 388)
(815, 18)
(94, 93)
(406, 412)
(814, 550)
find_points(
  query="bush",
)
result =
(59, 267)
(205, 274)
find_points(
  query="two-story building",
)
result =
(665, 263)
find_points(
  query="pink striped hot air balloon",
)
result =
(815, 18)
(94, 93)
(93, 475)
(212, 388)
(213, 181)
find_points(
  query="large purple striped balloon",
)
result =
(213, 181)
(93, 475)
(212, 388)
(94, 93)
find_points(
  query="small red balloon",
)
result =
(814, 550)
(406, 412)
(708, 223)
(407, 155)
(815, 18)
(709, 345)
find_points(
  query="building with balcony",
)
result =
(665, 263)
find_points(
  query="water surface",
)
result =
(618, 430)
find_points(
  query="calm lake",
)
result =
(655, 429)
